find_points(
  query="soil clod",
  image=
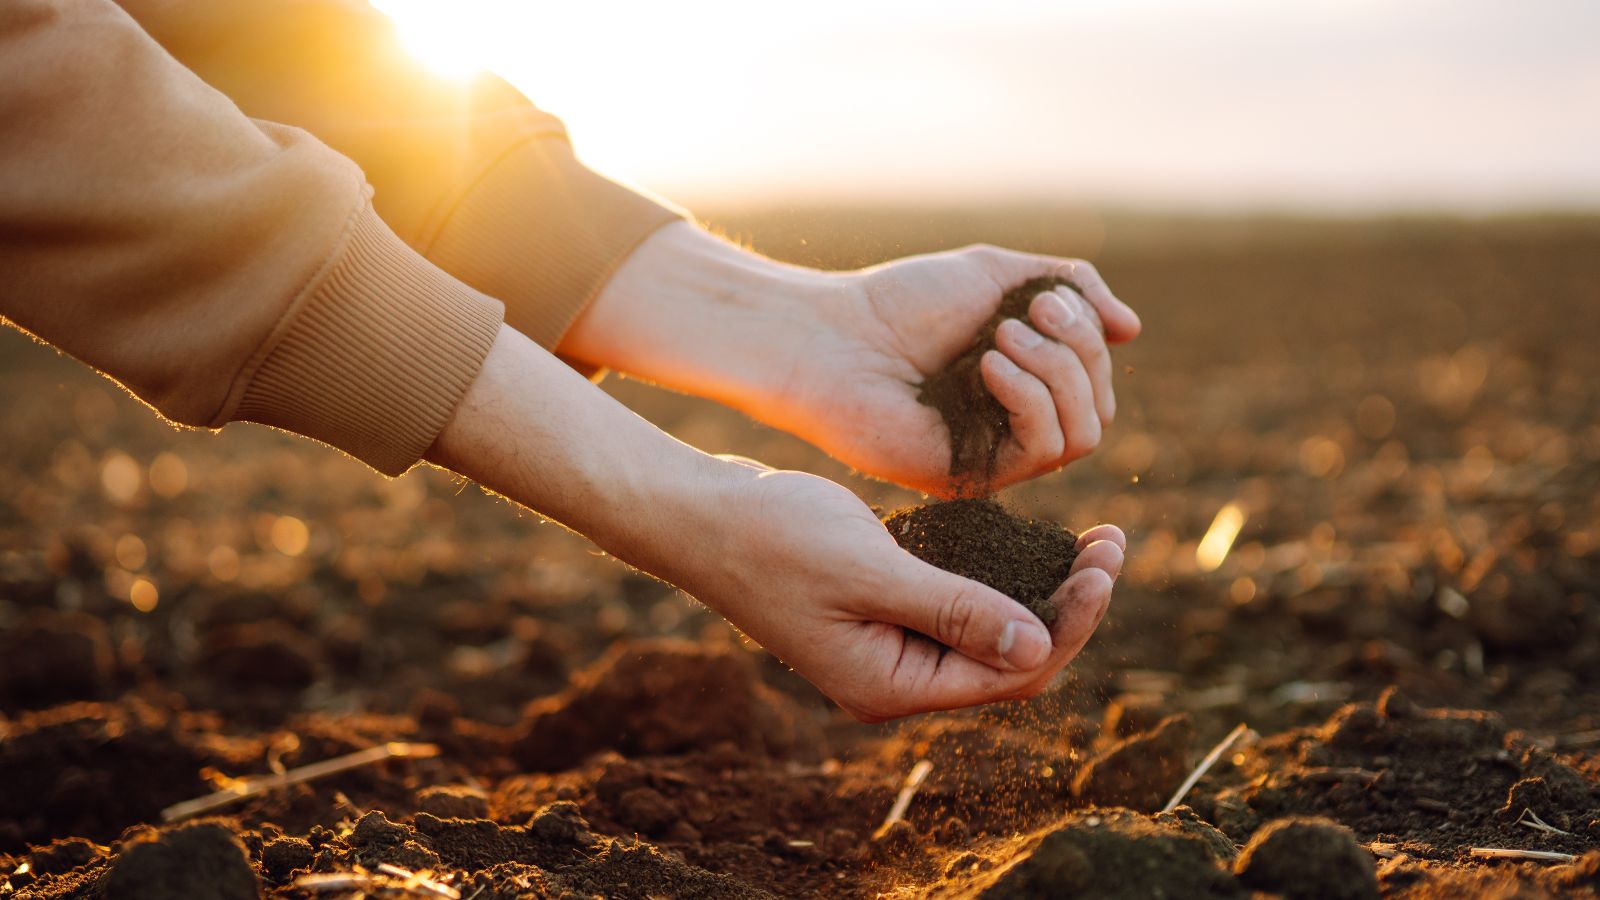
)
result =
(1308, 859)
(1025, 559)
(1139, 772)
(659, 697)
(203, 859)
(1113, 853)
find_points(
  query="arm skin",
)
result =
(795, 561)
(836, 358)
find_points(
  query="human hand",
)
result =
(853, 392)
(837, 358)
(802, 566)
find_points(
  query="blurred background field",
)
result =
(1402, 411)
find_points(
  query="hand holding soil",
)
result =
(841, 359)
(1047, 369)
(807, 570)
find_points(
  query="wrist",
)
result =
(697, 314)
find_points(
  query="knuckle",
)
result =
(956, 617)
(1085, 437)
(1051, 445)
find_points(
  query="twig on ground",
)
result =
(908, 790)
(419, 881)
(1532, 820)
(255, 786)
(1382, 850)
(1504, 853)
(319, 883)
(1205, 766)
(387, 879)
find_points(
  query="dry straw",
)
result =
(254, 787)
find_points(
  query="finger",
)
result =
(1059, 368)
(1081, 603)
(1034, 425)
(923, 679)
(1121, 322)
(1067, 317)
(972, 619)
(1103, 533)
(1102, 555)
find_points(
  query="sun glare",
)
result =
(452, 39)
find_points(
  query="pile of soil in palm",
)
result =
(975, 419)
(1024, 559)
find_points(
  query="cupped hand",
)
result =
(853, 389)
(807, 570)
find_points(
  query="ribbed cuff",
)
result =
(543, 233)
(375, 356)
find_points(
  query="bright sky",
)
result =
(1343, 105)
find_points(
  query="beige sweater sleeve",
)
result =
(221, 269)
(468, 173)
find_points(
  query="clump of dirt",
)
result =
(975, 419)
(203, 859)
(659, 697)
(1115, 853)
(1435, 781)
(1140, 771)
(1308, 859)
(1025, 559)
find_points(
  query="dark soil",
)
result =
(977, 423)
(1405, 412)
(1024, 559)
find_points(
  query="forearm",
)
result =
(697, 314)
(534, 430)
(219, 268)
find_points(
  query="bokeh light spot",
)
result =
(290, 536)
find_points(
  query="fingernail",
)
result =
(1059, 311)
(1025, 337)
(1024, 645)
(1005, 365)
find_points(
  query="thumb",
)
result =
(970, 618)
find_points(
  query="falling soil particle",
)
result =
(1024, 559)
(975, 419)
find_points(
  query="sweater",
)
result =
(262, 210)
